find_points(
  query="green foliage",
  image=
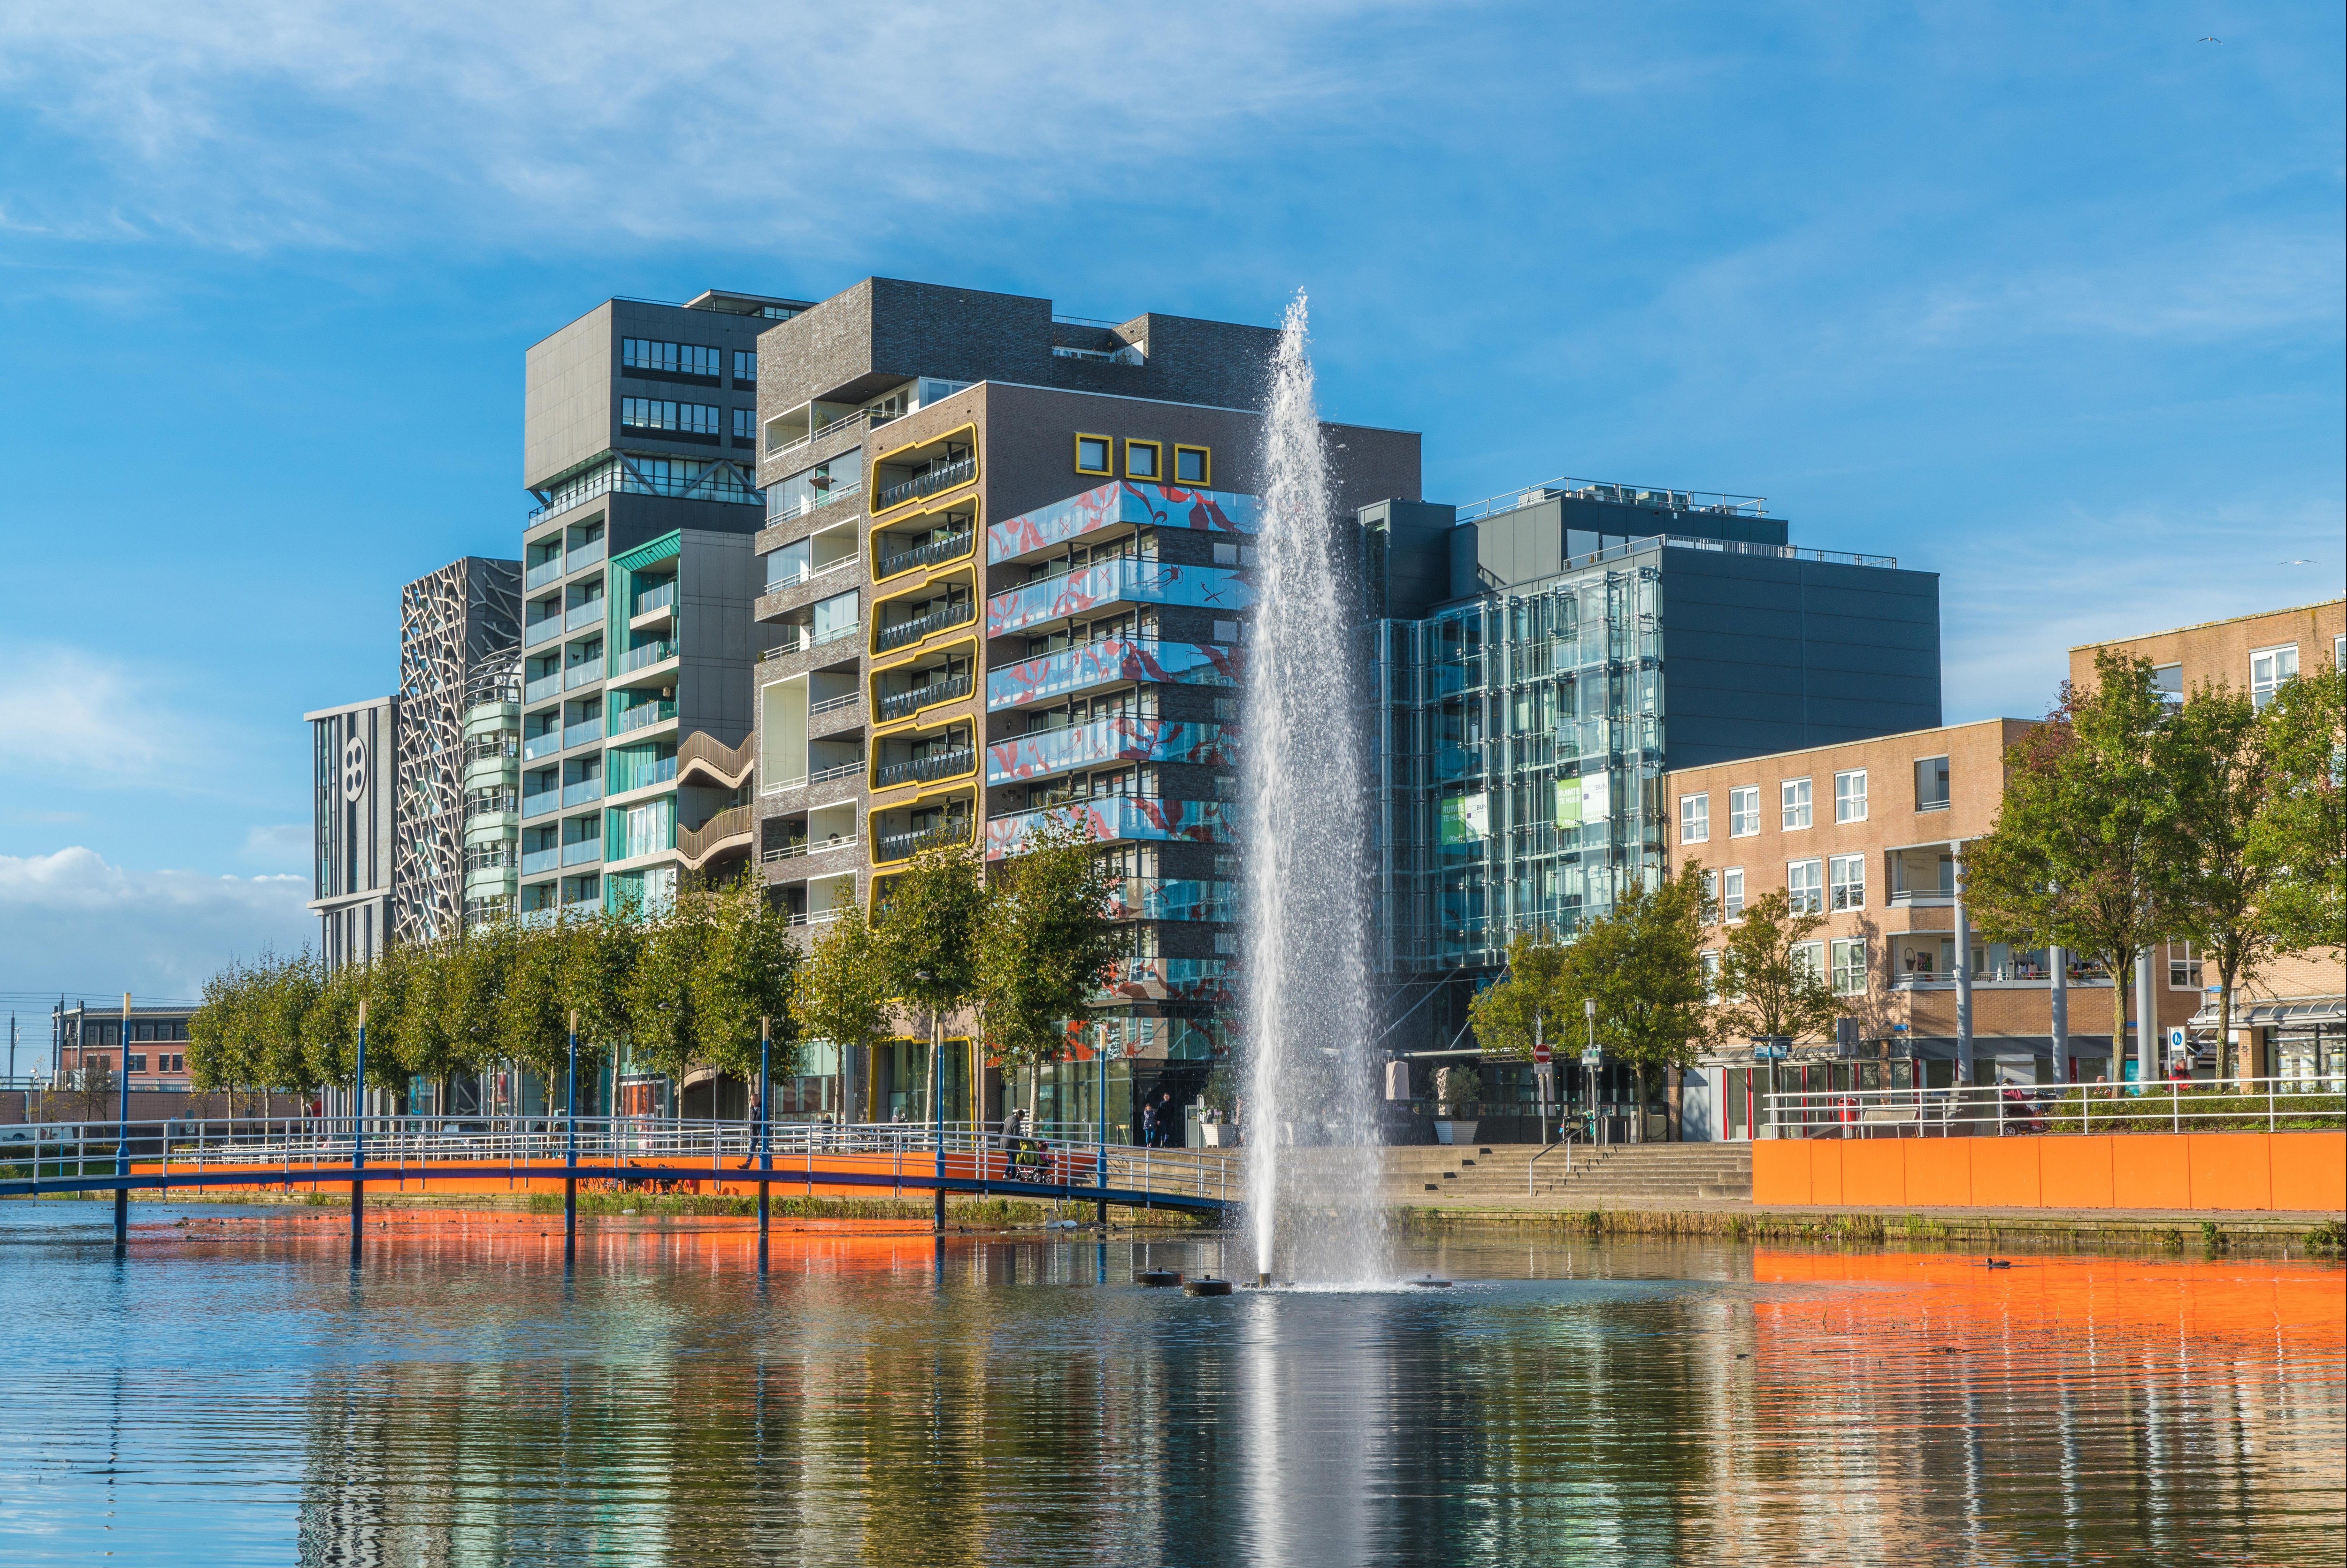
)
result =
(661, 996)
(474, 973)
(927, 936)
(2299, 839)
(1642, 966)
(215, 1033)
(1765, 988)
(1045, 943)
(744, 977)
(250, 1033)
(532, 1017)
(598, 957)
(2081, 849)
(839, 993)
(330, 1029)
(1533, 991)
(2205, 1108)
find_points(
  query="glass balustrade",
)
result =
(542, 745)
(644, 713)
(583, 733)
(545, 686)
(645, 656)
(537, 860)
(582, 792)
(585, 673)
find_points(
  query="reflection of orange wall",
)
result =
(2235, 1171)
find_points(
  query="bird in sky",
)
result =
(2298, 563)
(2212, 40)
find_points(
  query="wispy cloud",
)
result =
(77, 718)
(270, 121)
(282, 846)
(70, 921)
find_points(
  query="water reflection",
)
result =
(885, 1399)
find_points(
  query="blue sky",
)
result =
(2050, 304)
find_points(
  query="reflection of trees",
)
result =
(867, 1406)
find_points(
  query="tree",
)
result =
(2217, 895)
(662, 998)
(1767, 985)
(1530, 998)
(597, 957)
(330, 1029)
(285, 994)
(1044, 946)
(1642, 966)
(2298, 837)
(2079, 852)
(839, 993)
(533, 1009)
(216, 1058)
(925, 942)
(744, 977)
(475, 972)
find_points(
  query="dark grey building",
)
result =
(351, 753)
(1541, 660)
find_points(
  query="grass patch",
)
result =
(2209, 1108)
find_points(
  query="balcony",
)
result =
(936, 765)
(541, 745)
(900, 705)
(485, 808)
(537, 803)
(905, 632)
(831, 705)
(800, 849)
(586, 673)
(589, 612)
(1038, 753)
(1164, 898)
(545, 686)
(940, 477)
(1922, 898)
(582, 793)
(544, 572)
(729, 829)
(503, 743)
(1128, 579)
(651, 599)
(1096, 664)
(642, 716)
(586, 732)
(893, 846)
(645, 657)
(583, 556)
(584, 852)
(1119, 504)
(538, 861)
(1121, 818)
(937, 552)
(544, 630)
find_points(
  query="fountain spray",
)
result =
(1313, 1162)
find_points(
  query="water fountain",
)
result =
(1313, 1162)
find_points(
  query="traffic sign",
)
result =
(2176, 1040)
(1591, 1059)
(1541, 1053)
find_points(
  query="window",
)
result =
(1849, 967)
(1795, 795)
(745, 364)
(659, 414)
(1847, 876)
(1803, 892)
(1810, 960)
(834, 617)
(745, 424)
(1931, 783)
(2168, 680)
(668, 358)
(135, 1062)
(2269, 668)
(1850, 796)
(1194, 466)
(1731, 894)
(1694, 818)
(1144, 460)
(1711, 974)
(2338, 652)
(1092, 453)
(2183, 966)
(1744, 812)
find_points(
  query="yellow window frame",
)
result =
(1107, 471)
(1205, 478)
(1157, 461)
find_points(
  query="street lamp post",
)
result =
(1100, 1104)
(122, 1138)
(358, 1141)
(765, 1146)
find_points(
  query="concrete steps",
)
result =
(1623, 1174)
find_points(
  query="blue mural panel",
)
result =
(1122, 501)
(1073, 669)
(1126, 580)
(1047, 751)
(1116, 818)
(1169, 980)
(1168, 898)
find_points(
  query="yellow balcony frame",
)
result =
(930, 579)
(872, 690)
(872, 471)
(944, 722)
(872, 820)
(976, 530)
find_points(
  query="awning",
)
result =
(2279, 1014)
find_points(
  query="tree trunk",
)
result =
(1672, 1133)
(2122, 982)
(2226, 1059)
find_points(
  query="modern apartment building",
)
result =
(639, 577)
(353, 866)
(451, 622)
(1542, 659)
(492, 784)
(2290, 1020)
(1006, 575)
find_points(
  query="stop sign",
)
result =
(1540, 1053)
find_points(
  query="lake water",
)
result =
(232, 1392)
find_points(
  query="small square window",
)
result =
(1804, 889)
(1796, 802)
(1194, 466)
(1144, 460)
(1092, 454)
(1849, 967)
(1850, 796)
(1847, 876)
(2269, 668)
(1731, 894)
(1931, 783)
(2168, 682)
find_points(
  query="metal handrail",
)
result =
(944, 477)
(1997, 1109)
(920, 626)
(951, 547)
(897, 705)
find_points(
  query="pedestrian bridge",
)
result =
(474, 1154)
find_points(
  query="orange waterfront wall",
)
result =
(2235, 1171)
